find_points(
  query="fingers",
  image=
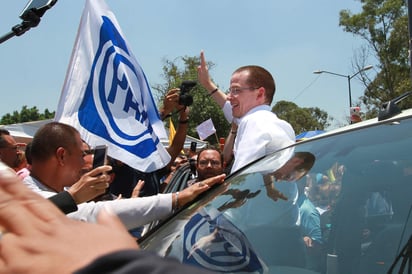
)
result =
(89, 186)
(100, 185)
(214, 180)
(108, 218)
(99, 170)
(98, 182)
(203, 63)
(171, 100)
(191, 192)
(137, 189)
(26, 204)
(172, 93)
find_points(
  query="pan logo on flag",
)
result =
(217, 244)
(112, 108)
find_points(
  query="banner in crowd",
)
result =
(205, 129)
(106, 95)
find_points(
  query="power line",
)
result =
(308, 86)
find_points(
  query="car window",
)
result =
(337, 204)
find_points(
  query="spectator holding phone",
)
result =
(57, 159)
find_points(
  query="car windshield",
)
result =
(338, 204)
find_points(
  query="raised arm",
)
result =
(204, 79)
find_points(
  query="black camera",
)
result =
(185, 98)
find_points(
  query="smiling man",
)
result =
(247, 102)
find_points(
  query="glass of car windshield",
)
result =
(337, 205)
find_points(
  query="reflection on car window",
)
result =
(343, 209)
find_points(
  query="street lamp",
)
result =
(349, 77)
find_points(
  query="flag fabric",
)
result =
(205, 129)
(172, 131)
(106, 95)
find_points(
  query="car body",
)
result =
(358, 179)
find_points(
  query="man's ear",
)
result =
(261, 94)
(61, 155)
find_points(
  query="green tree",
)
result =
(383, 24)
(302, 119)
(26, 115)
(203, 107)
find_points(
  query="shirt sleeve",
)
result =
(133, 212)
(227, 111)
(64, 201)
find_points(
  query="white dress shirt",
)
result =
(133, 212)
(260, 132)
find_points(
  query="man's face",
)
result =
(209, 164)
(75, 162)
(10, 153)
(88, 158)
(243, 96)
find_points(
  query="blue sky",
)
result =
(290, 38)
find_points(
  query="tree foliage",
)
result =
(383, 24)
(26, 115)
(302, 119)
(203, 106)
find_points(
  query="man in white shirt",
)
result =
(248, 101)
(57, 159)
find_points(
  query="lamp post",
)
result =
(349, 77)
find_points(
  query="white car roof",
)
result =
(366, 123)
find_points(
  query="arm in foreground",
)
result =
(36, 237)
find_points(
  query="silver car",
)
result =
(338, 203)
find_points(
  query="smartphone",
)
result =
(100, 156)
(40, 7)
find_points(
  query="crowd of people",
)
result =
(57, 166)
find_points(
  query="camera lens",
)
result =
(185, 99)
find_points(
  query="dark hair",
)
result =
(3, 142)
(210, 148)
(308, 160)
(50, 137)
(260, 77)
(27, 153)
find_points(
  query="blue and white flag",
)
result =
(106, 95)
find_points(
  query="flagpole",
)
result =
(217, 139)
